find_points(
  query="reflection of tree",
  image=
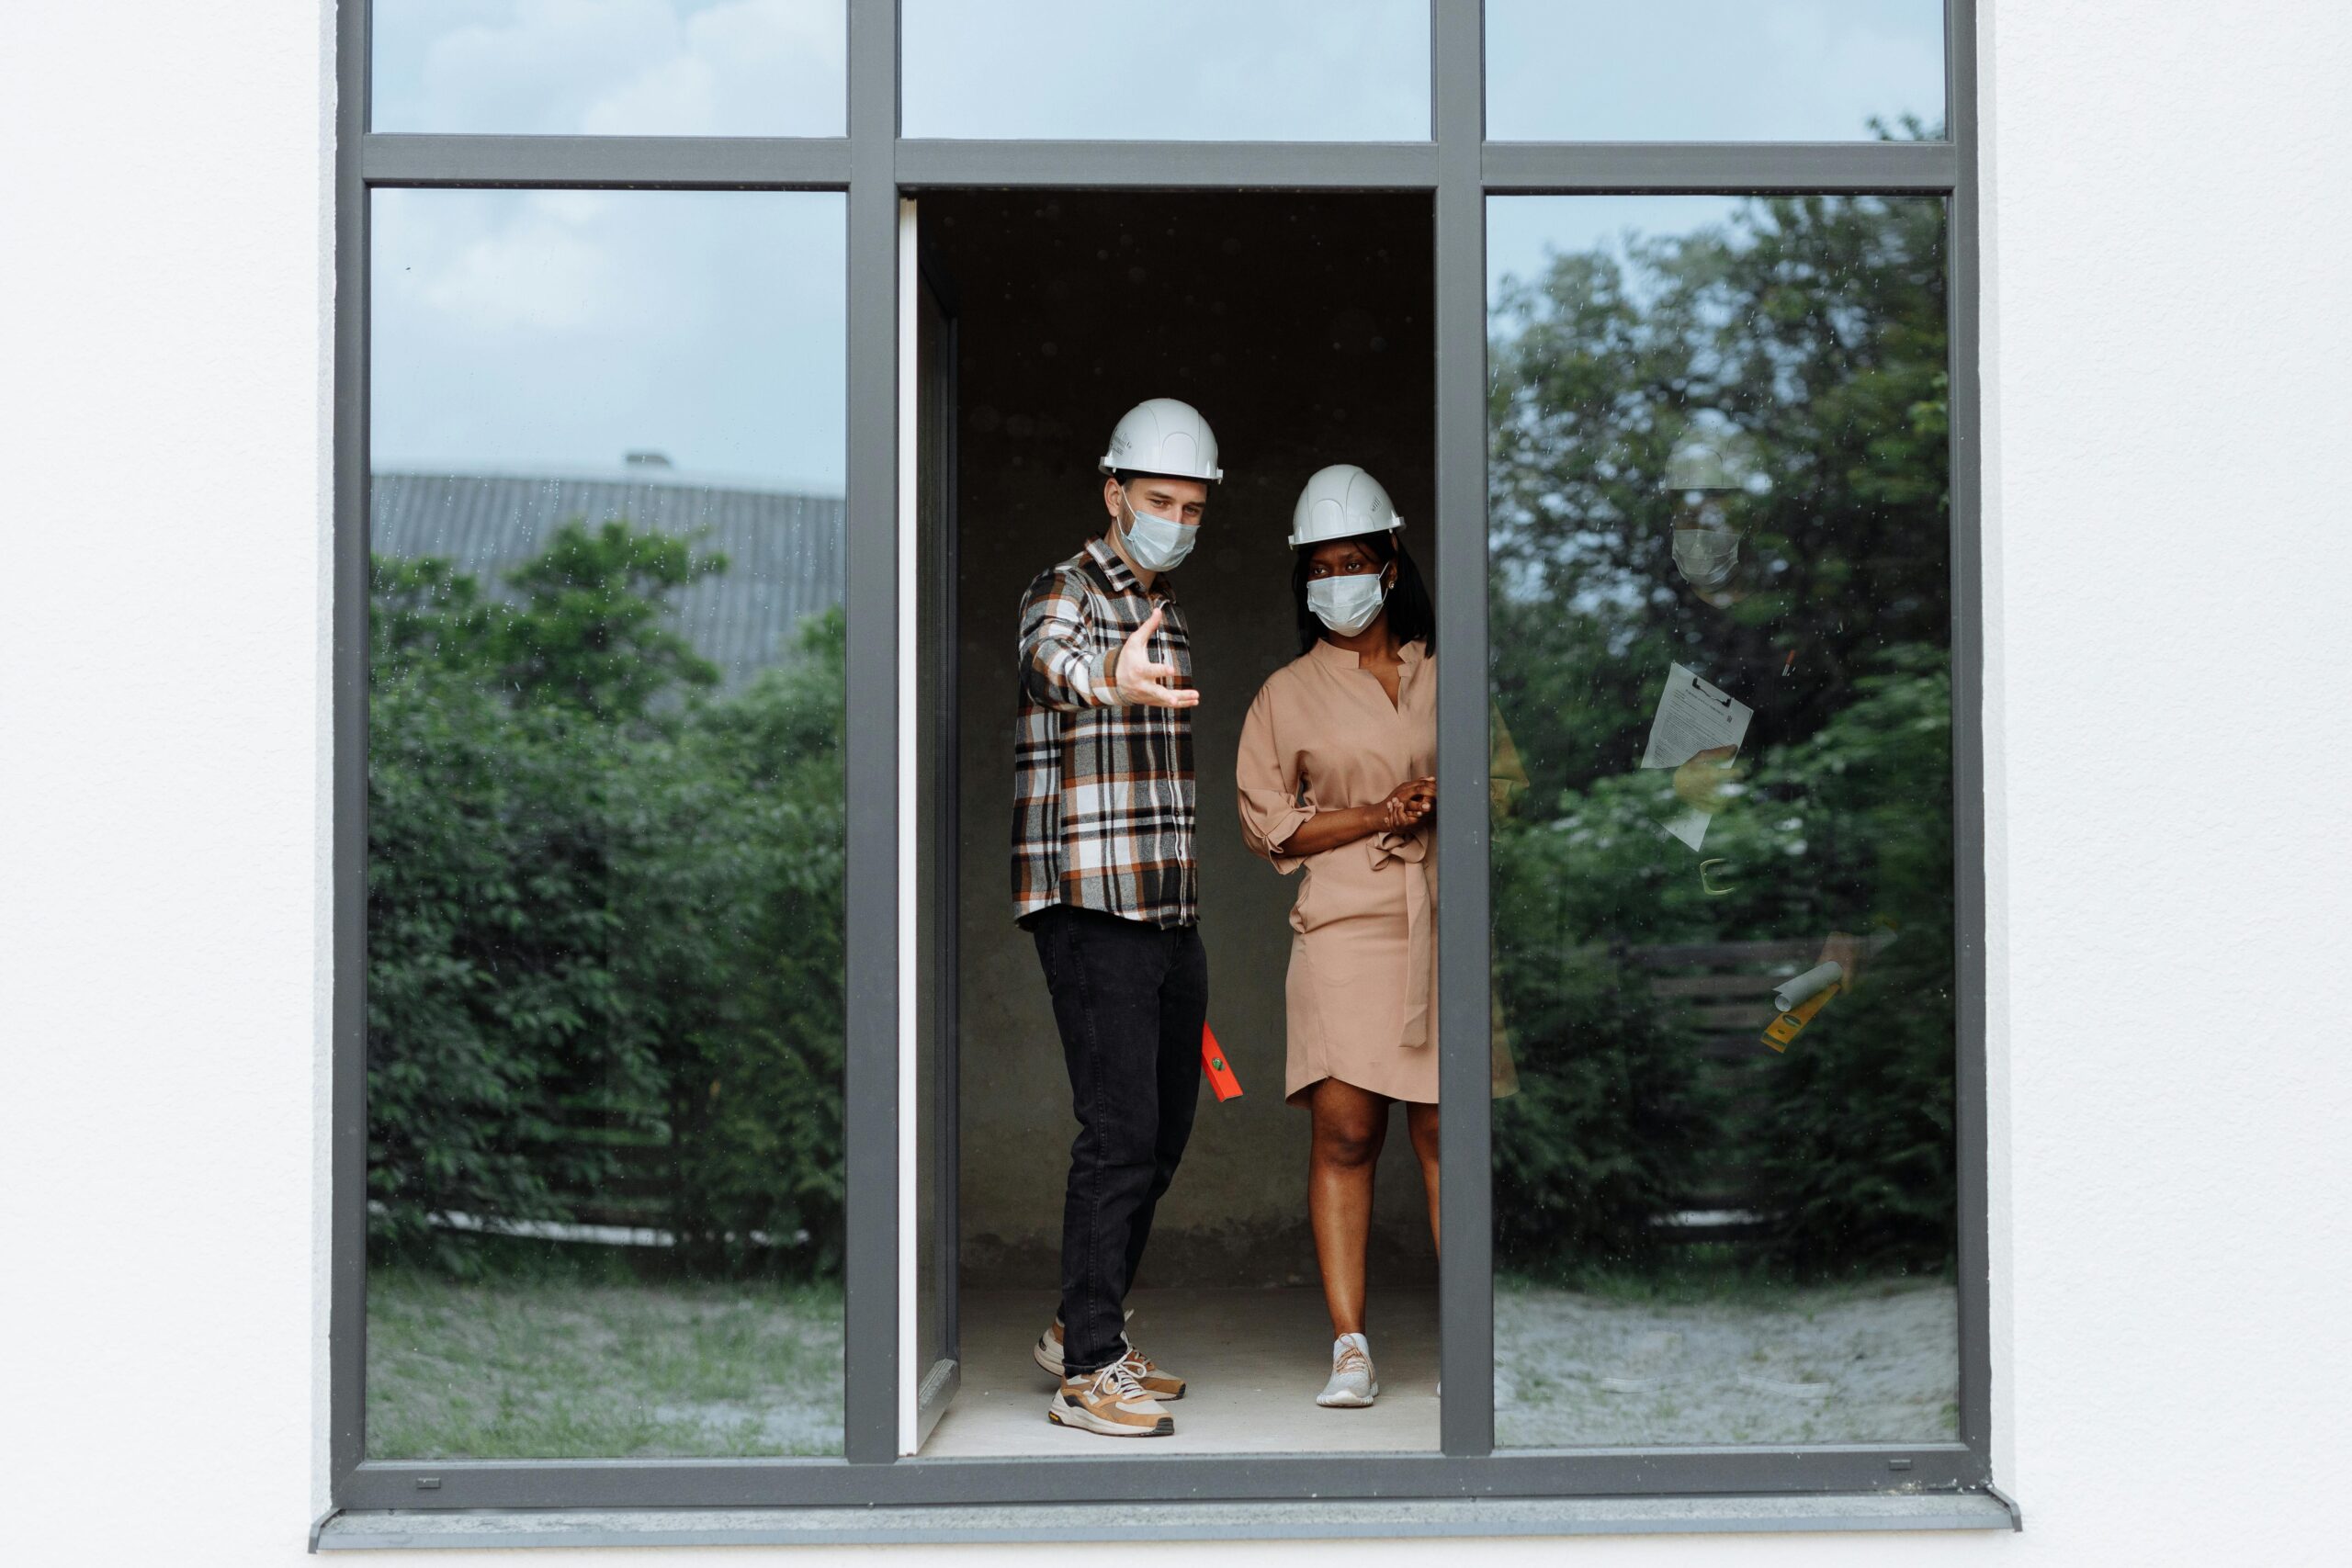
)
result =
(1815, 326)
(603, 911)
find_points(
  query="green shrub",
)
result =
(1609, 1125)
(603, 910)
(1859, 1161)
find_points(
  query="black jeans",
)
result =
(1130, 999)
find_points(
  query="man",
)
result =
(1103, 876)
(1745, 637)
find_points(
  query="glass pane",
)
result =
(611, 67)
(1134, 70)
(1718, 541)
(1714, 70)
(604, 1010)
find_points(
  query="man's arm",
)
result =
(1059, 671)
(1056, 669)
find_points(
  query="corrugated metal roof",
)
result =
(784, 551)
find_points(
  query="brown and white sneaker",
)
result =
(1156, 1381)
(1111, 1403)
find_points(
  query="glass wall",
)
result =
(1138, 70)
(1714, 70)
(611, 67)
(605, 986)
(1719, 540)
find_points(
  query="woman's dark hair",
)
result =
(1412, 616)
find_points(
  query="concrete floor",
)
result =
(1254, 1361)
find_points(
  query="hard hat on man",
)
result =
(1162, 435)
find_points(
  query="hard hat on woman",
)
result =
(1340, 502)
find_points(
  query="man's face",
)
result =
(1704, 509)
(1179, 501)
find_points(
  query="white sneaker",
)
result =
(1352, 1384)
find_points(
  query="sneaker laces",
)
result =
(1136, 1362)
(1121, 1381)
(1351, 1359)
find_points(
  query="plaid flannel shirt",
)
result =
(1102, 788)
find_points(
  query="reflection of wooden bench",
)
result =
(1723, 990)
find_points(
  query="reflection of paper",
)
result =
(1693, 716)
(1795, 992)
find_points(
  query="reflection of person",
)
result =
(1104, 879)
(1336, 774)
(1710, 473)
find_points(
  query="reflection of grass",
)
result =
(1705, 1354)
(1716, 1275)
(558, 1367)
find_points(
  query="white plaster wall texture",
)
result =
(2165, 364)
(2166, 333)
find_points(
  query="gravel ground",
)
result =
(533, 1369)
(1845, 1364)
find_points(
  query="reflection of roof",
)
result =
(783, 552)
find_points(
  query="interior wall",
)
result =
(1300, 327)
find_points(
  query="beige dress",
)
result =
(1322, 736)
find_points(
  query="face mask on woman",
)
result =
(1157, 543)
(1347, 604)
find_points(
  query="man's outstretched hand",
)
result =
(1141, 681)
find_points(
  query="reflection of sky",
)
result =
(513, 328)
(1310, 69)
(1524, 231)
(612, 67)
(1710, 69)
(525, 332)
(1141, 70)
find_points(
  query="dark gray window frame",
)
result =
(874, 166)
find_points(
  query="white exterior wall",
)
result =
(2167, 336)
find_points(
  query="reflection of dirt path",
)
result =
(1821, 1365)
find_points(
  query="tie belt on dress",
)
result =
(1411, 849)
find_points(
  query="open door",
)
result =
(929, 1341)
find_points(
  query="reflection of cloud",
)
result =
(634, 67)
(1701, 70)
(539, 273)
(1149, 70)
(524, 329)
(1525, 232)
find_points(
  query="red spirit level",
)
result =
(1220, 1071)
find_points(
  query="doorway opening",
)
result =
(1300, 325)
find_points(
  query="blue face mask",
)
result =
(1157, 543)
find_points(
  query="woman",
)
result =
(1336, 774)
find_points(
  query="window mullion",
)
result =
(871, 1070)
(1466, 1322)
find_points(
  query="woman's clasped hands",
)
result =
(1409, 805)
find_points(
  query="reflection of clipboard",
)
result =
(1693, 716)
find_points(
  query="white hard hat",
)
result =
(1708, 458)
(1340, 502)
(1161, 435)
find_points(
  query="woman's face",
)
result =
(1340, 558)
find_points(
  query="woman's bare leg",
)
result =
(1349, 1125)
(1420, 1120)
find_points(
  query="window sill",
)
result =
(1333, 1519)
